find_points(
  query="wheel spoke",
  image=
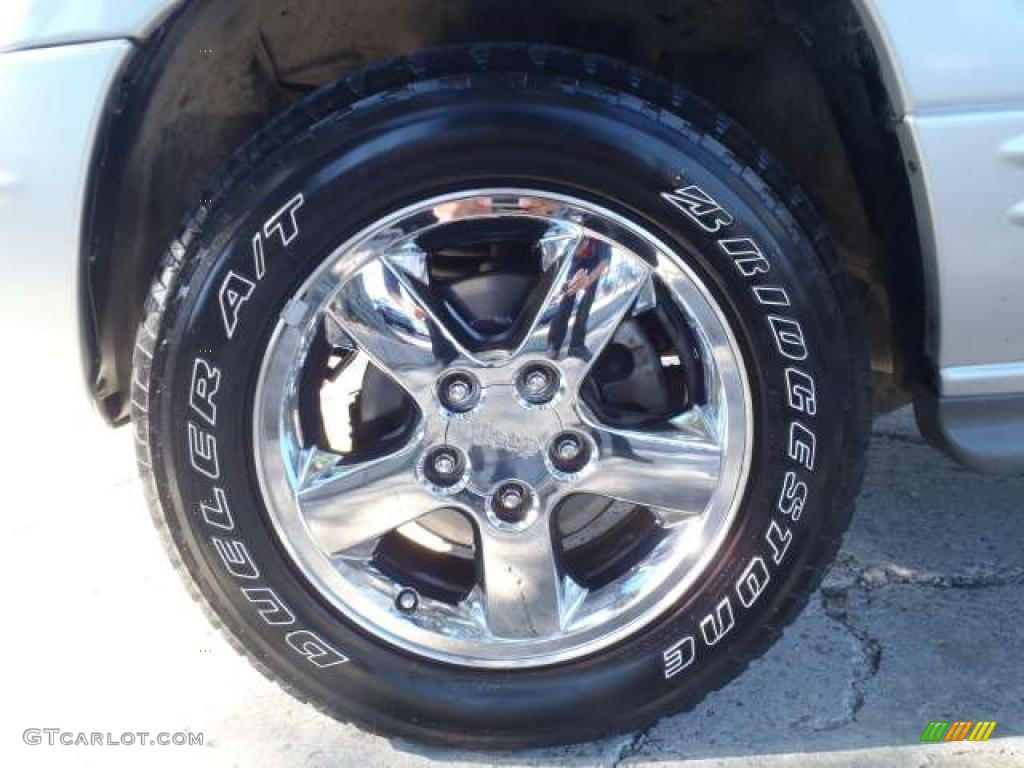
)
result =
(386, 309)
(673, 472)
(524, 585)
(347, 505)
(590, 286)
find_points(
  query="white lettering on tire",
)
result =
(793, 496)
(778, 539)
(746, 255)
(800, 390)
(700, 207)
(679, 656)
(235, 289)
(801, 398)
(284, 223)
(771, 296)
(202, 451)
(789, 337)
(271, 608)
(315, 650)
(216, 512)
(801, 445)
(205, 383)
(236, 558)
(752, 582)
(718, 623)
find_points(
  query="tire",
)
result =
(485, 117)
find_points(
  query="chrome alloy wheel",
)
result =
(509, 469)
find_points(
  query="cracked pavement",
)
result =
(922, 618)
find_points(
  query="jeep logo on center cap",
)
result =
(489, 436)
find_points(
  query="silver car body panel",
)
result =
(955, 76)
(51, 105)
(969, 193)
(39, 23)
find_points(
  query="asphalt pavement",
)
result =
(921, 619)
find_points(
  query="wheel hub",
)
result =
(504, 438)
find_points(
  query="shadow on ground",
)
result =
(921, 619)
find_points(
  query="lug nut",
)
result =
(407, 601)
(512, 502)
(459, 392)
(568, 449)
(511, 498)
(537, 383)
(569, 452)
(444, 466)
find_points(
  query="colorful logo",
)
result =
(958, 730)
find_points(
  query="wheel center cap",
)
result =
(503, 439)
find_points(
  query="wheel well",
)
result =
(800, 75)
